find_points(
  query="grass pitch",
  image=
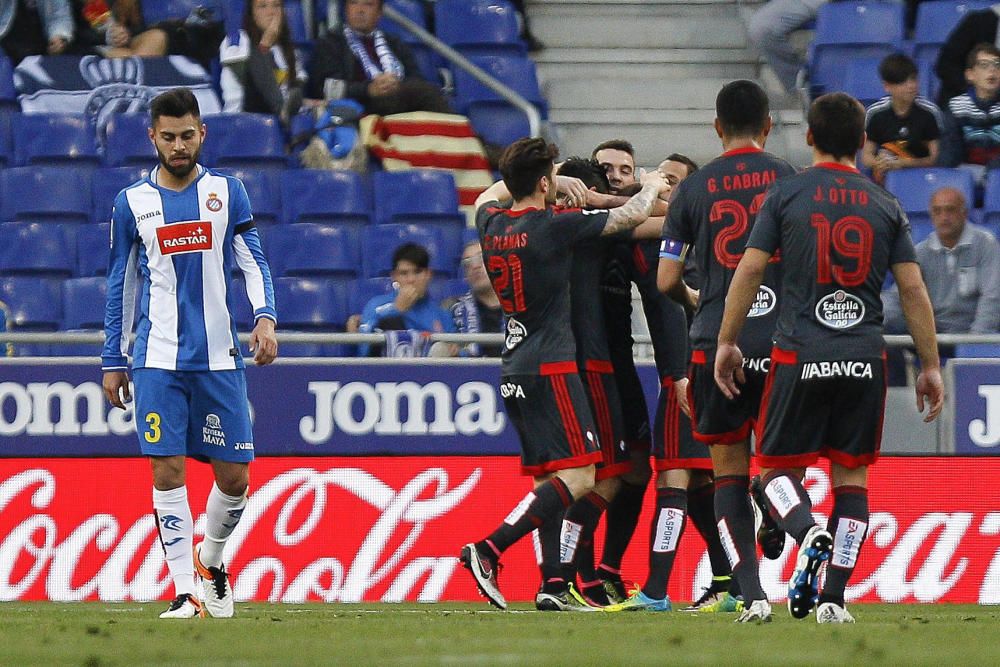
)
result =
(95, 634)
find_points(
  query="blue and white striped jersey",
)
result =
(183, 244)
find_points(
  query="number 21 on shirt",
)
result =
(506, 272)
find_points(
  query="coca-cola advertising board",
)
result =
(977, 405)
(388, 529)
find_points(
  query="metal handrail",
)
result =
(534, 117)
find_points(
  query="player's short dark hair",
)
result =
(411, 252)
(897, 68)
(588, 171)
(524, 162)
(742, 108)
(685, 160)
(837, 122)
(981, 47)
(174, 103)
(614, 144)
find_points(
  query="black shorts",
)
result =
(832, 409)
(674, 446)
(551, 415)
(716, 420)
(605, 405)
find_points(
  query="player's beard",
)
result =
(183, 169)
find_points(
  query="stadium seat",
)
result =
(920, 229)
(516, 72)
(319, 195)
(107, 183)
(914, 187)
(364, 290)
(311, 303)
(92, 248)
(310, 249)
(849, 30)
(978, 351)
(862, 80)
(8, 93)
(991, 199)
(45, 194)
(165, 10)
(935, 21)
(402, 196)
(381, 241)
(36, 249)
(126, 141)
(411, 9)
(296, 21)
(479, 26)
(249, 140)
(7, 135)
(51, 138)
(35, 304)
(444, 290)
(262, 189)
(84, 301)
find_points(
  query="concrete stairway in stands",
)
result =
(648, 71)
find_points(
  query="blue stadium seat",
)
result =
(84, 301)
(311, 303)
(249, 140)
(35, 304)
(914, 187)
(107, 183)
(991, 199)
(478, 26)
(402, 196)
(442, 290)
(381, 241)
(411, 9)
(849, 30)
(7, 135)
(862, 80)
(319, 195)
(93, 244)
(165, 10)
(364, 290)
(310, 249)
(296, 21)
(978, 351)
(45, 194)
(36, 249)
(8, 93)
(126, 141)
(498, 124)
(920, 229)
(517, 72)
(263, 191)
(935, 21)
(50, 138)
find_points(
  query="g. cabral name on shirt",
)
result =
(182, 237)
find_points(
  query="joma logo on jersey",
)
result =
(182, 237)
(836, 369)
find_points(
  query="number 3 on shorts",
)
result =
(153, 419)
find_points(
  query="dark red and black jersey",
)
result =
(528, 254)
(838, 234)
(586, 301)
(714, 210)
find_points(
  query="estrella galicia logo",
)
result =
(764, 303)
(840, 310)
(171, 522)
(515, 334)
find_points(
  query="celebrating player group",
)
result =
(767, 288)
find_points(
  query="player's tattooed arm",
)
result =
(600, 200)
(639, 207)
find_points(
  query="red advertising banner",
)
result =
(371, 529)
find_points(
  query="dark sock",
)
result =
(623, 516)
(549, 543)
(701, 511)
(788, 503)
(849, 527)
(577, 538)
(665, 532)
(547, 501)
(735, 524)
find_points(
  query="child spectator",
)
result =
(975, 137)
(902, 128)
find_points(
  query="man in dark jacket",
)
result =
(977, 27)
(362, 62)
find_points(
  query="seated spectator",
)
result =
(902, 128)
(477, 311)
(35, 28)
(961, 267)
(378, 70)
(408, 307)
(198, 36)
(261, 73)
(976, 27)
(974, 137)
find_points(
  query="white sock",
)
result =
(222, 513)
(176, 530)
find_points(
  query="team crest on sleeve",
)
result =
(840, 310)
(213, 203)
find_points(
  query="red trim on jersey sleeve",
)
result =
(743, 151)
(557, 368)
(836, 166)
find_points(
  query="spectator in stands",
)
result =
(378, 70)
(478, 311)
(197, 36)
(769, 31)
(974, 136)
(975, 28)
(902, 128)
(960, 263)
(35, 28)
(91, 19)
(408, 307)
(261, 73)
